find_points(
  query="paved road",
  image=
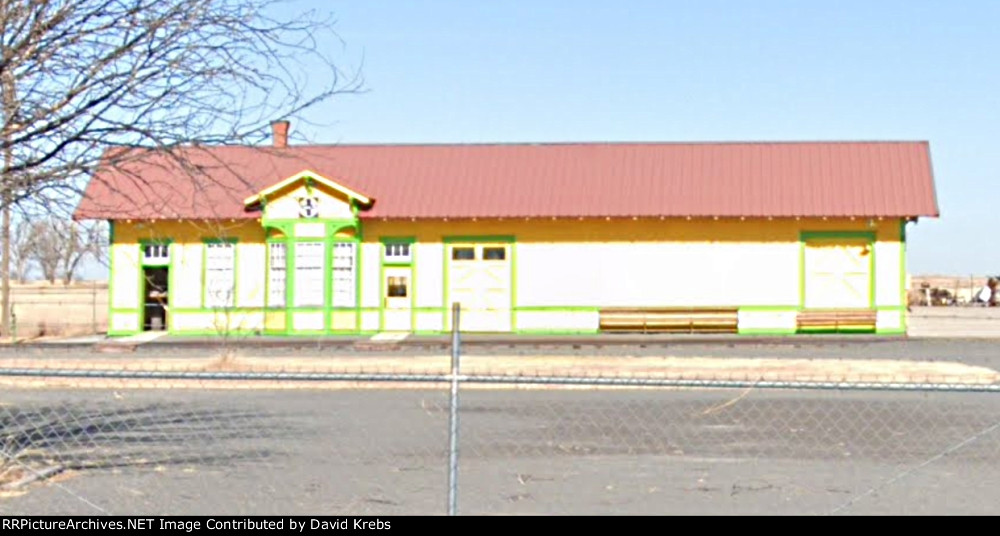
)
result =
(553, 451)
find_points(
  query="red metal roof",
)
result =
(833, 179)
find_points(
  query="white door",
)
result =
(397, 291)
(837, 275)
(479, 278)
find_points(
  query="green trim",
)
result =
(836, 235)
(767, 331)
(818, 236)
(891, 331)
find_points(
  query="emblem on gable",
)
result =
(308, 207)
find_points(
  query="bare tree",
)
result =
(84, 81)
(58, 247)
(22, 242)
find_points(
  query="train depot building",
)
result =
(755, 238)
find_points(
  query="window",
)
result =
(220, 276)
(156, 254)
(396, 287)
(343, 274)
(309, 272)
(494, 253)
(397, 252)
(463, 254)
(276, 276)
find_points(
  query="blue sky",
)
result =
(705, 70)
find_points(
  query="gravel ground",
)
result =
(971, 351)
(664, 451)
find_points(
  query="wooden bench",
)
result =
(836, 320)
(670, 319)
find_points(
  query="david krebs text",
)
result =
(196, 524)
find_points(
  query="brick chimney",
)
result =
(279, 133)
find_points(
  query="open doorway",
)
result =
(155, 293)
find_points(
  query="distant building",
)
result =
(761, 238)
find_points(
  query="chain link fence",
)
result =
(229, 438)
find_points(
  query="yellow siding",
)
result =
(285, 205)
(275, 320)
(598, 262)
(343, 320)
(557, 263)
(187, 252)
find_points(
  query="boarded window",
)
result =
(276, 275)
(220, 274)
(343, 274)
(310, 268)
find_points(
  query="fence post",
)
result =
(456, 342)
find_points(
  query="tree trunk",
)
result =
(9, 105)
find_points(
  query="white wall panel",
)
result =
(429, 275)
(556, 320)
(887, 274)
(250, 274)
(186, 291)
(371, 262)
(657, 273)
(127, 271)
